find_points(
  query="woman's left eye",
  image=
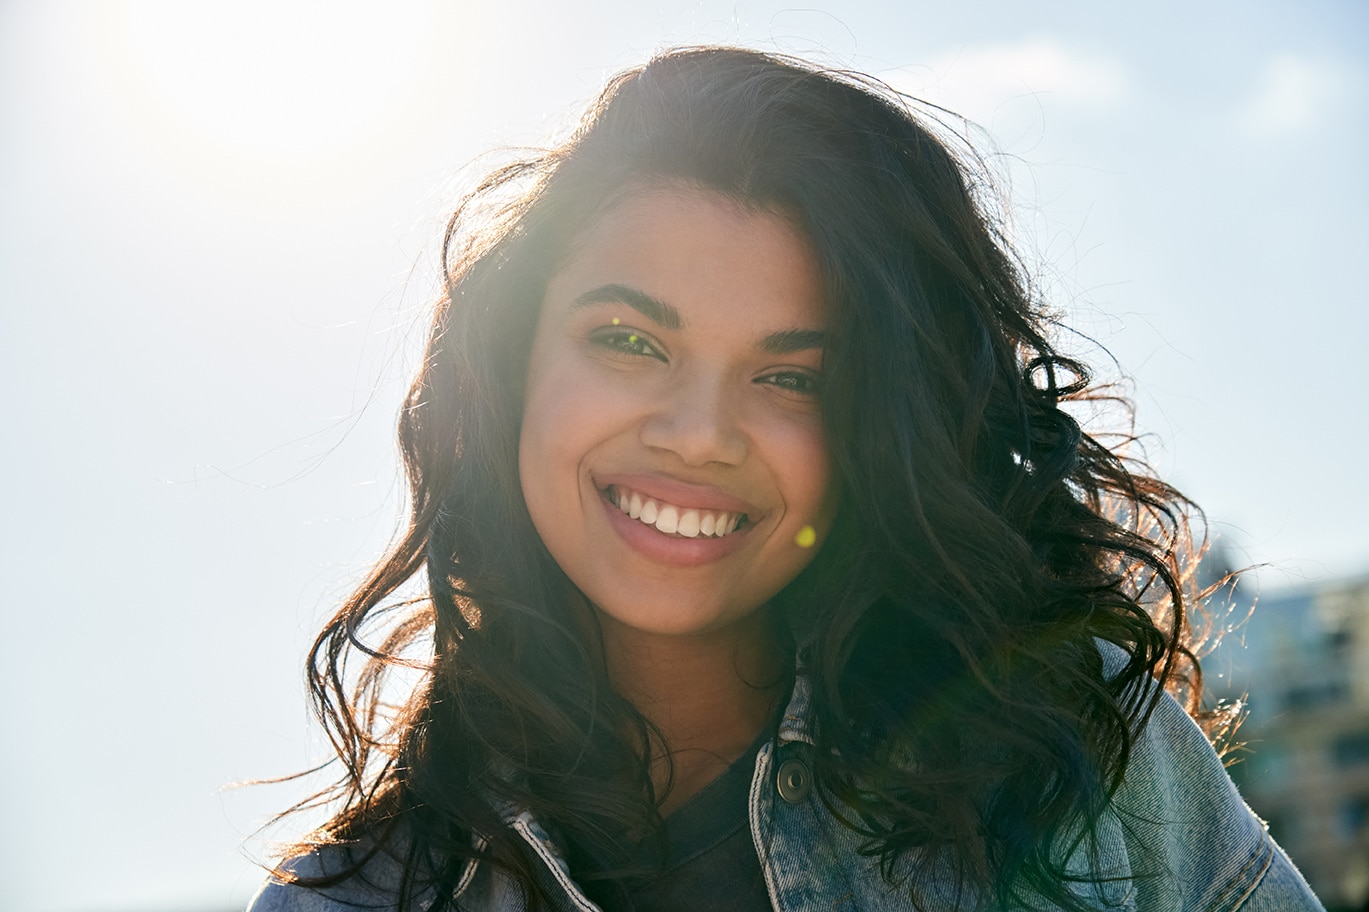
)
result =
(799, 382)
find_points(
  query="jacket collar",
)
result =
(794, 722)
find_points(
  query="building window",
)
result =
(1351, 749)
(1312, 694)
(1351, 817)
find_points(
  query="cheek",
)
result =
(814, 464)
(545, 446)
(567, 414)
(538, 458)
(801, 465)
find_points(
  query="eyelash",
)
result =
(626, 342)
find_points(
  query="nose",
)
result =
(699, 420)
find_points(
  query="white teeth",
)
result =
(689, 524)
(668, 520)
(672, 520)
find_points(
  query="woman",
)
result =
(765, 568)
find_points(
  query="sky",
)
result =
(218, 243)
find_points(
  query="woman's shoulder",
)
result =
(1188, 830)
(1183, 836)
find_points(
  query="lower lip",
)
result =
(672, 549)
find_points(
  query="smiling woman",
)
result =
(672, 451)
(765, 567)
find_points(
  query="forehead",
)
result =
(690, 247)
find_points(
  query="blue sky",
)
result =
(218, 240)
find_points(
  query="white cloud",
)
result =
(978, 81)
(1292, 94)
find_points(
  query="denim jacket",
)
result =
(1177, 837)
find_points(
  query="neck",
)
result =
(708, 696)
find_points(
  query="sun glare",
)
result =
(258, 84)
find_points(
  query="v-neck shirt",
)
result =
(711, 862)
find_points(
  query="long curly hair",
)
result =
(950, 624)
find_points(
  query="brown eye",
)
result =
(626, 341)
(798, 382)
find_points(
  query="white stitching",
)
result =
(562, 878)
(468, 875)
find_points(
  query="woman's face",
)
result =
(672, 453)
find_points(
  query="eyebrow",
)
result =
(789, 341)
(658, 312)
(784, 342)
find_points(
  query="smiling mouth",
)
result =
(684, 522)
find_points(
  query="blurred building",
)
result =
(1304, 671)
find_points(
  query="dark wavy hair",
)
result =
(950, 625)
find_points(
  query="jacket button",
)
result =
(794, 781)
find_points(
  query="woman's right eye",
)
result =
(626, 341)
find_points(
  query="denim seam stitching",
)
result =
(1263, 856)
(562, 878)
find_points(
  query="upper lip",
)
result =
(678, 493)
